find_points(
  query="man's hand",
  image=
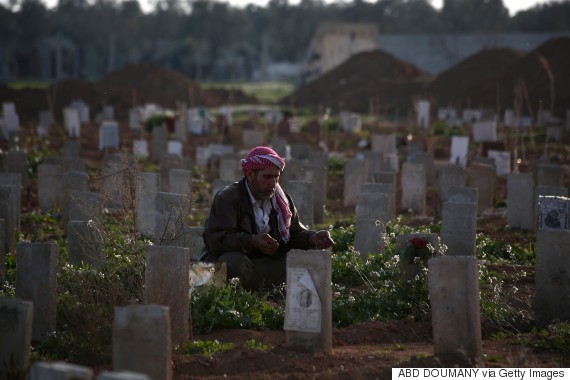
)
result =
(322, 239)
(265, 243)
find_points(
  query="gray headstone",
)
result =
(374, 163)
(36, 281)
(173, 209)
(552, 278)
(16, 335)
(449, 176)
(384, 143)
(158, 143)
(427, 160)
(385, 177)
(454, 295)
(300, 151)
(372, 213)
(543, 191)
(520, 201)
(59, 371)
(280, 146)
(302, 194)
(230, 169)
(191, 238)
(180, 181)
(14, 181)
(252, 138)
(414, 188)
(459, 228)
(483, 177)
(462, 194)
(109, 135)
(73, 164)
(167, 284)
(17, 162)
(317, 176)
(147, 214)
(354, 179)
(549, 175)
(169, 162)
(142, 340)
(384, 188)
(308, 306)
(49, 186)
(553, 212)
(118, 181)
(390, 162)
(84, 206)
(7, 215)
(85, 244)
(71, 181)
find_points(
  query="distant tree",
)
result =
(543, 18)
(475, 16)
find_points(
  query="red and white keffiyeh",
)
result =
(263, 157)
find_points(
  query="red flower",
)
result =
(418, 242)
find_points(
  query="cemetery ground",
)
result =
(380, 320)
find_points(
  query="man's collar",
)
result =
(251, 197)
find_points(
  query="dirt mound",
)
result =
(135, 84)
(484, 65)
(544, 72)
(373, 79)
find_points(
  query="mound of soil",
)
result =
(544, 72)
(373, 79)
(484, 65)
(135, 84)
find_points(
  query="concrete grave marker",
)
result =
(553, 212)
(180, 181)
(384, 188)
(414, 188)
(251, 138)
(372, 213)
(552, 279)
(85, 244)
(384, 143)
(14, 182)
(140, 149)
(502, 161)
(354, 179)
(174, 148)
(71, 122)
(449, 176)
(9, 220)
(142, 340)
(15, 334)
(422, 109)
(147, 214)
(167, 284)
(122, 375)
(36, 281)
(483, 178)
(302, 194)
(459, 150)
(454, 295)
(17, 162)
(308, 306)
(484, 131)
(49, 186)
(520, 201)
(109, 135)
(459, 228)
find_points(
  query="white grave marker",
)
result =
(174, 147)
(459, 149)
(109, 135)
(140, 148)
(423, 113)
(71, 121)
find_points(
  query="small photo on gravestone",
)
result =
(553, 212)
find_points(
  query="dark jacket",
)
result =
(231, 223)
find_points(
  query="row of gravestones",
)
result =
(143, 335)
(542, 233)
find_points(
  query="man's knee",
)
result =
(238, 266)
